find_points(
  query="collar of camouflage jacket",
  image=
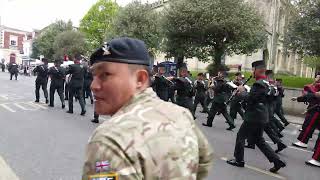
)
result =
(138, 99)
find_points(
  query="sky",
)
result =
(37, 14)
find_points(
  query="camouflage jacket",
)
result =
(148, 139)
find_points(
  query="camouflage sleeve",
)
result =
(205, 155)
(106, 157)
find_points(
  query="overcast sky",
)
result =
(36, 14)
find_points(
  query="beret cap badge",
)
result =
(106, 49)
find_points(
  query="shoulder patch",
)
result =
(109, 176)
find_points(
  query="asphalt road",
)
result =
(38, 142)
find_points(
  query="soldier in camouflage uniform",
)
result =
(146, 138)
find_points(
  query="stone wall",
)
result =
(290, 107)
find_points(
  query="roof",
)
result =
(13, 29)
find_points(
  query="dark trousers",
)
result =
(15, 75)
(254, 131)
(310, 123)
(221, 108)
(66, 91)
(43, 85)
(171, 95)
(270, 132)
(235, 108)
(79, 92)
(202, 101)
(316, 154)
(59, 89)
(87, 92)
(186, 102)
(96, 116)
(280, 113)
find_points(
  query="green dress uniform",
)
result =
(256, 117)
(235, 104)
(185, 92)
(57, 75)
(161, 85)
(76, 86)
(41, 81)
(200, 96)
(219, 104)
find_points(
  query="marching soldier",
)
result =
(312, 120)
(278, 106)
(162, 84)
(76, 84)
(312, 115)
(200, 96)
(13, 69)
(57, 75)
(219, 102)
(42, 80)
(255, 118)
(171, 90)
(235, 104)
(185, 91)
(126, 147)
(88, 78)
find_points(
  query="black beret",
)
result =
(122, 50)
(183, 66)
(258, 64)
(317, 74)
(161, 65)
(44, 60)
(200, 74)
(268, 72)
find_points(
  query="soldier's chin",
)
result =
(100, 108)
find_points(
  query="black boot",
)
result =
(95, 120)
(234, 162)
(278, 165)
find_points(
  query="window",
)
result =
(13, 40)
(13, 43)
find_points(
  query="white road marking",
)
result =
(259, 170)
(296, 148)
(39, 105)
(29, 107)
(6, 172)
(7, 107)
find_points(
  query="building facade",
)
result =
(15, 44)
(276, 14)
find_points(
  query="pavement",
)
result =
(38, 142)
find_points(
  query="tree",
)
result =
(139, 21)
(210, 29)
(43, 44)
(69, 43)
(97, 22)
(312, 62)
(304, 30)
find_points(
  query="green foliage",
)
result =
(212, 28)
(137, 20)
(213, 69)
(70, 43)
(97, 22)
(304, 31)
(287, 81)
(312, 61)
(43, 44)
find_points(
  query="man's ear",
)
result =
(142, 78)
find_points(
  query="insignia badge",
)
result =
(110, 176)
(102, 166)
(106, 49)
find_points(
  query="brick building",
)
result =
(15, 44)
